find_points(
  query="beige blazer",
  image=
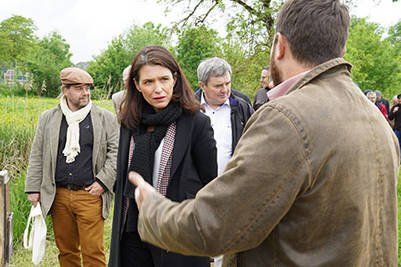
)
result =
(117, 99)
(43, 158)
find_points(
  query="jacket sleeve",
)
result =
(107, 174)
(204, 151)
(250, 111)
(240, 208)
(34, 174)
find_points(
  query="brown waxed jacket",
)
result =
(312, 183)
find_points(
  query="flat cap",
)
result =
(74, 75)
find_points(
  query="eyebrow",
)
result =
(159, 77)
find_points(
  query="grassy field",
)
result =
(19, 116)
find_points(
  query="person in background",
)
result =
(228, 113)
(372, 96)
(266, 85)
(166, 139)
(71, 170)
(299, 190)
(118, 97)
(382, 100)
(395, 114)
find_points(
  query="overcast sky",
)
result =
(88, 25)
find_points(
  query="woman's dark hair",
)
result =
(131, 109)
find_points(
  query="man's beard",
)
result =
(274, 71)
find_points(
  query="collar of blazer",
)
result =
(55, 122)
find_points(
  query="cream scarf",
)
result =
(73, 119)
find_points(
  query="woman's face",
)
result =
(156, 84)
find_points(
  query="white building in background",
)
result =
(12, 76)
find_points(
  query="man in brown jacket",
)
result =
(71, 170)
(308, 184)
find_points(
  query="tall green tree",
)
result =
(250, 22)
(375, 60)
(194, 45)
(138, 37)
(394, 35)
(246, 67)
(17, 37)
(50, 56)
(107, 67)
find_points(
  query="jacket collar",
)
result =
(312, 74)
(284, 87)
(232, 100)
(55, 121)
(229, 102)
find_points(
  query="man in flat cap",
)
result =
(71, 170)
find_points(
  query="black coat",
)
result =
(396, 116)
(194, 164)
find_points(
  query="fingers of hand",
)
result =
(135, 178)
(138, 197)
(93, 191)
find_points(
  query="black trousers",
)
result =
(134, 253)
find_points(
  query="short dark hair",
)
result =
(131, 109)
(317, 30)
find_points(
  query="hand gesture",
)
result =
(143, 189)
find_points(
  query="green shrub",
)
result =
(15, 90)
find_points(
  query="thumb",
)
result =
(135, 178)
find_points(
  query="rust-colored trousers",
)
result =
(78, 228)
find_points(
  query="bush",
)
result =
(16, 90)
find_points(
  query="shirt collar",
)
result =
(284, 87)
(204, 103)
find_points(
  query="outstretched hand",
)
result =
(143, 189)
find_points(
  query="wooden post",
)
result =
(6, 238)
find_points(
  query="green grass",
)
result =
(19, 116)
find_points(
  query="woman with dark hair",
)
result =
(165, 138)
